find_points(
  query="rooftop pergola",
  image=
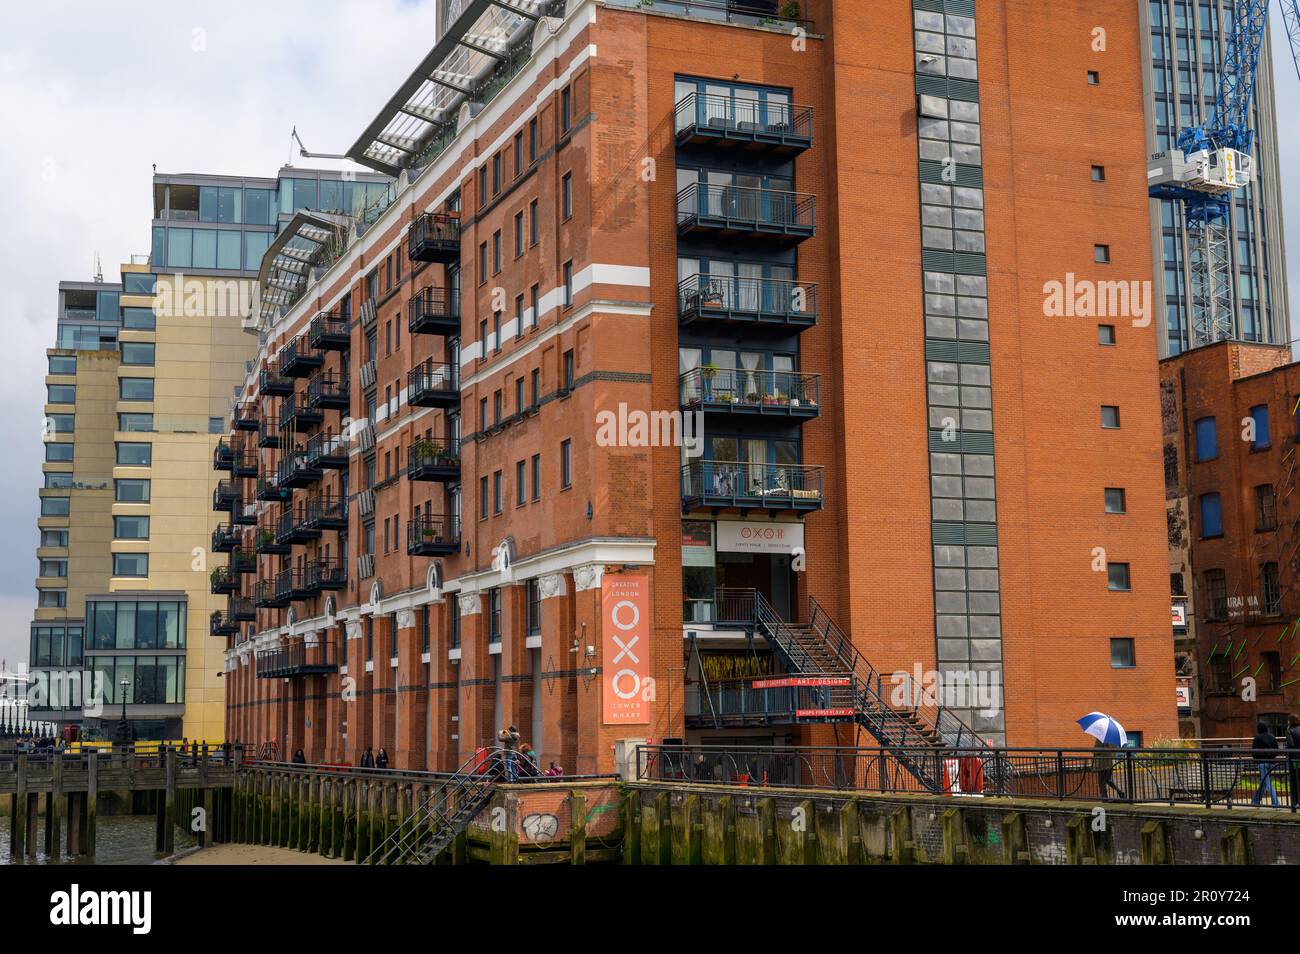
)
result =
(305, 243)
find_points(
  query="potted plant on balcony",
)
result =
(431, 534)
(216, 575)
(711, 295)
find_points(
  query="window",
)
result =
(566, 196)
(1270, 588)
(568, 370)
(482, 414)
(482, 498)
(1098, 173)
(536, 386)
(494, 615)
(482, 186)
(53, 599)
(63, 364)
(58, 453)
(496, 406)
(566, 464)
(1272, 677)
(537, 476)
(496, 174)
(1265, 509)
(134, 455)
(131, 490)
(1211, 516)
(519, 395)
(139, 319)
(1106, 334)
(1207, 439)
(130, 528)
(521, 484)
(1122, 655)
(519, 154)
(532, 140)
(424, 629)
(496, 252)
(1101, 254)
(482, 263)
(58, 481)
(1115, 502)
(137, 353)
(1117, 577)
(61, 394)
(532, 223)
(1259, 424)
(1109, 416)
(55, 568)
(1216, 595)
(130, 564)
(55, 506)
(534, 303)
(1094, 78)
(135, 423)
(498, 483)
(566, 108)
(519, 318)
(135, 389)
(61, 424)
(370, 638)
(519, 234)
(54, 538)
(568, 284)
(496, 332)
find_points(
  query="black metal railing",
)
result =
(329, 330)
(327, 389)
(432, 459)
(297, 658)
(271, 383)
(737, 118)
(743, 209)
(297, 412)
(325, 574)
(788, 393)
(434, 237)
(752, 485)
(298, 358)
(757, 301)
(244, 416)
(328, 449)
(1192, 776)
(227, 494)
(431, 534)
(433, 383)
(327, 511)
(434, 311)
(770, 699)
(224, 538)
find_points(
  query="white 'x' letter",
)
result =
(625, 649)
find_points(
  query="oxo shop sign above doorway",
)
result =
(758, 536)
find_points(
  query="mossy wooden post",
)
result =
(1013, 839)
(631, 826)
(386, 794)
(1079, 847)
(1155, 844)
(1234, 846)
(955, 850)
(294, 795)
(92, 800)
(33, 816)
(577, 827)
(55, 809)
(694, 823)
(351, 804)
(361, 812)
(459, 844)
(767, 831)
(900, 822)
(851, 833)
(503, 828)
(18, 818)
(656, 831)
(169, 804)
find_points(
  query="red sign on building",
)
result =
(625, 628)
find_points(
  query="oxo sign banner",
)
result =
(625, 624)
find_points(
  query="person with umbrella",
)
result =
(1110, 735)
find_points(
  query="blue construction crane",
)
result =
(1214, 159)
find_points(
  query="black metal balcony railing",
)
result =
(243, 561)
(328, 391)
(227, 494)
(224, 580)
(751, 486)
(223, 456)
(243, 514)
(753, 302)
(244, 416)
(328, 449)
(222, 624)
(241, 609)
(243, 463)
(298, 359)
(271, 383)
(433, 384)
(328, 331)
(743, 211)
(224, 538)
(434, 311)
(268, 432)
(265, 595)
(327, 512)
(264, 539)
(297, 414)
(270, 490)
(735, 121)
(291, 526)
(289, 585)
(431, 459)
(747, 702)
(432, 535)
(297, 658)
(434, 237)
(322, 575)
(783, 393)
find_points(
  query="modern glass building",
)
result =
(1183, 60)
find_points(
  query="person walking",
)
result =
(508, 739)
(381, 759)
(1103, 763)
(299, 758)
(368, 758)
(1293, 748)
(1264, 750)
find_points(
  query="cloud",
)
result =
(92, 94)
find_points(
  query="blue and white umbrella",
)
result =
(1103, 727)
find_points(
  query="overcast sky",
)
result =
(92, 93)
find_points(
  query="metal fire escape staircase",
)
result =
(445, 814)
(917, 733)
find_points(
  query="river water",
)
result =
(122, 840)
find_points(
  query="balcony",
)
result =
(223, 457)
(265, 595)
(782, 14)
(270, 383)
(264, 539)
(747, 303)
(245, 416)
(432, 535)
(241, 610)
(738, 702)
(433, 460)
(297, 658)
(291, 526)
(242, 561)
(434, 311)
(298, 359)
(328, 391)
(323, 575)
(295, 470)
(225, 538)
(433, 385)
(327, 450)
(224, 581)
(786, 394)
(243, 515)
(289, 585)
(328, 331)
(297, 415)
(434, 237)
(743, 486)
(741, 212)
(228, 494)
(327, 512)
(243, 463)
(269, 490)
(749, 125)
(268, 432)
(221, 624)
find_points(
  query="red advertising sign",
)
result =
(625, 629)
(795, 682)
(823, 713)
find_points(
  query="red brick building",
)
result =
(1230, 431)
(827, 237)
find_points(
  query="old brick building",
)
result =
(1230, 432)
(825, 233)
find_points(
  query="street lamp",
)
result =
(124, 729)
